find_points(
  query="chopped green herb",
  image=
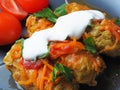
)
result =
(44, 55)
(89, 44)
(63, 70)
(117, 21)
(47, 13)
(20, 40)
(61, 10)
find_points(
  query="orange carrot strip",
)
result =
(48, 65)
(65, 47)
(48, 77)
(40, 71)
(34, 76)
(112, 27)
(51, 86)
(42, 78)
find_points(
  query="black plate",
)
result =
(108, 80)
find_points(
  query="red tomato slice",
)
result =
(31, 64)
(10, 28)
(32, 6)
(12, 7)
(0, 7)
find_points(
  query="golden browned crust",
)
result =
(85, 65)
(34, 24)
(105, 37)
(72, 7)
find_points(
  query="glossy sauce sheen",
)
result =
(72, 25)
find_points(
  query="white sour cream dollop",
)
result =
(72, 25)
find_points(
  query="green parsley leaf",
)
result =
(44, 55)
(90, 45)
(61, 10)
(117, 21)
(20, 40)
(47, 13)
(63, 70)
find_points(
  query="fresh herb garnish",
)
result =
(90, 45)
(61, 10)
(47, 13)
(50, 15)
(117, 21)
(63, 71)
(20, 40)
(44, 55)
